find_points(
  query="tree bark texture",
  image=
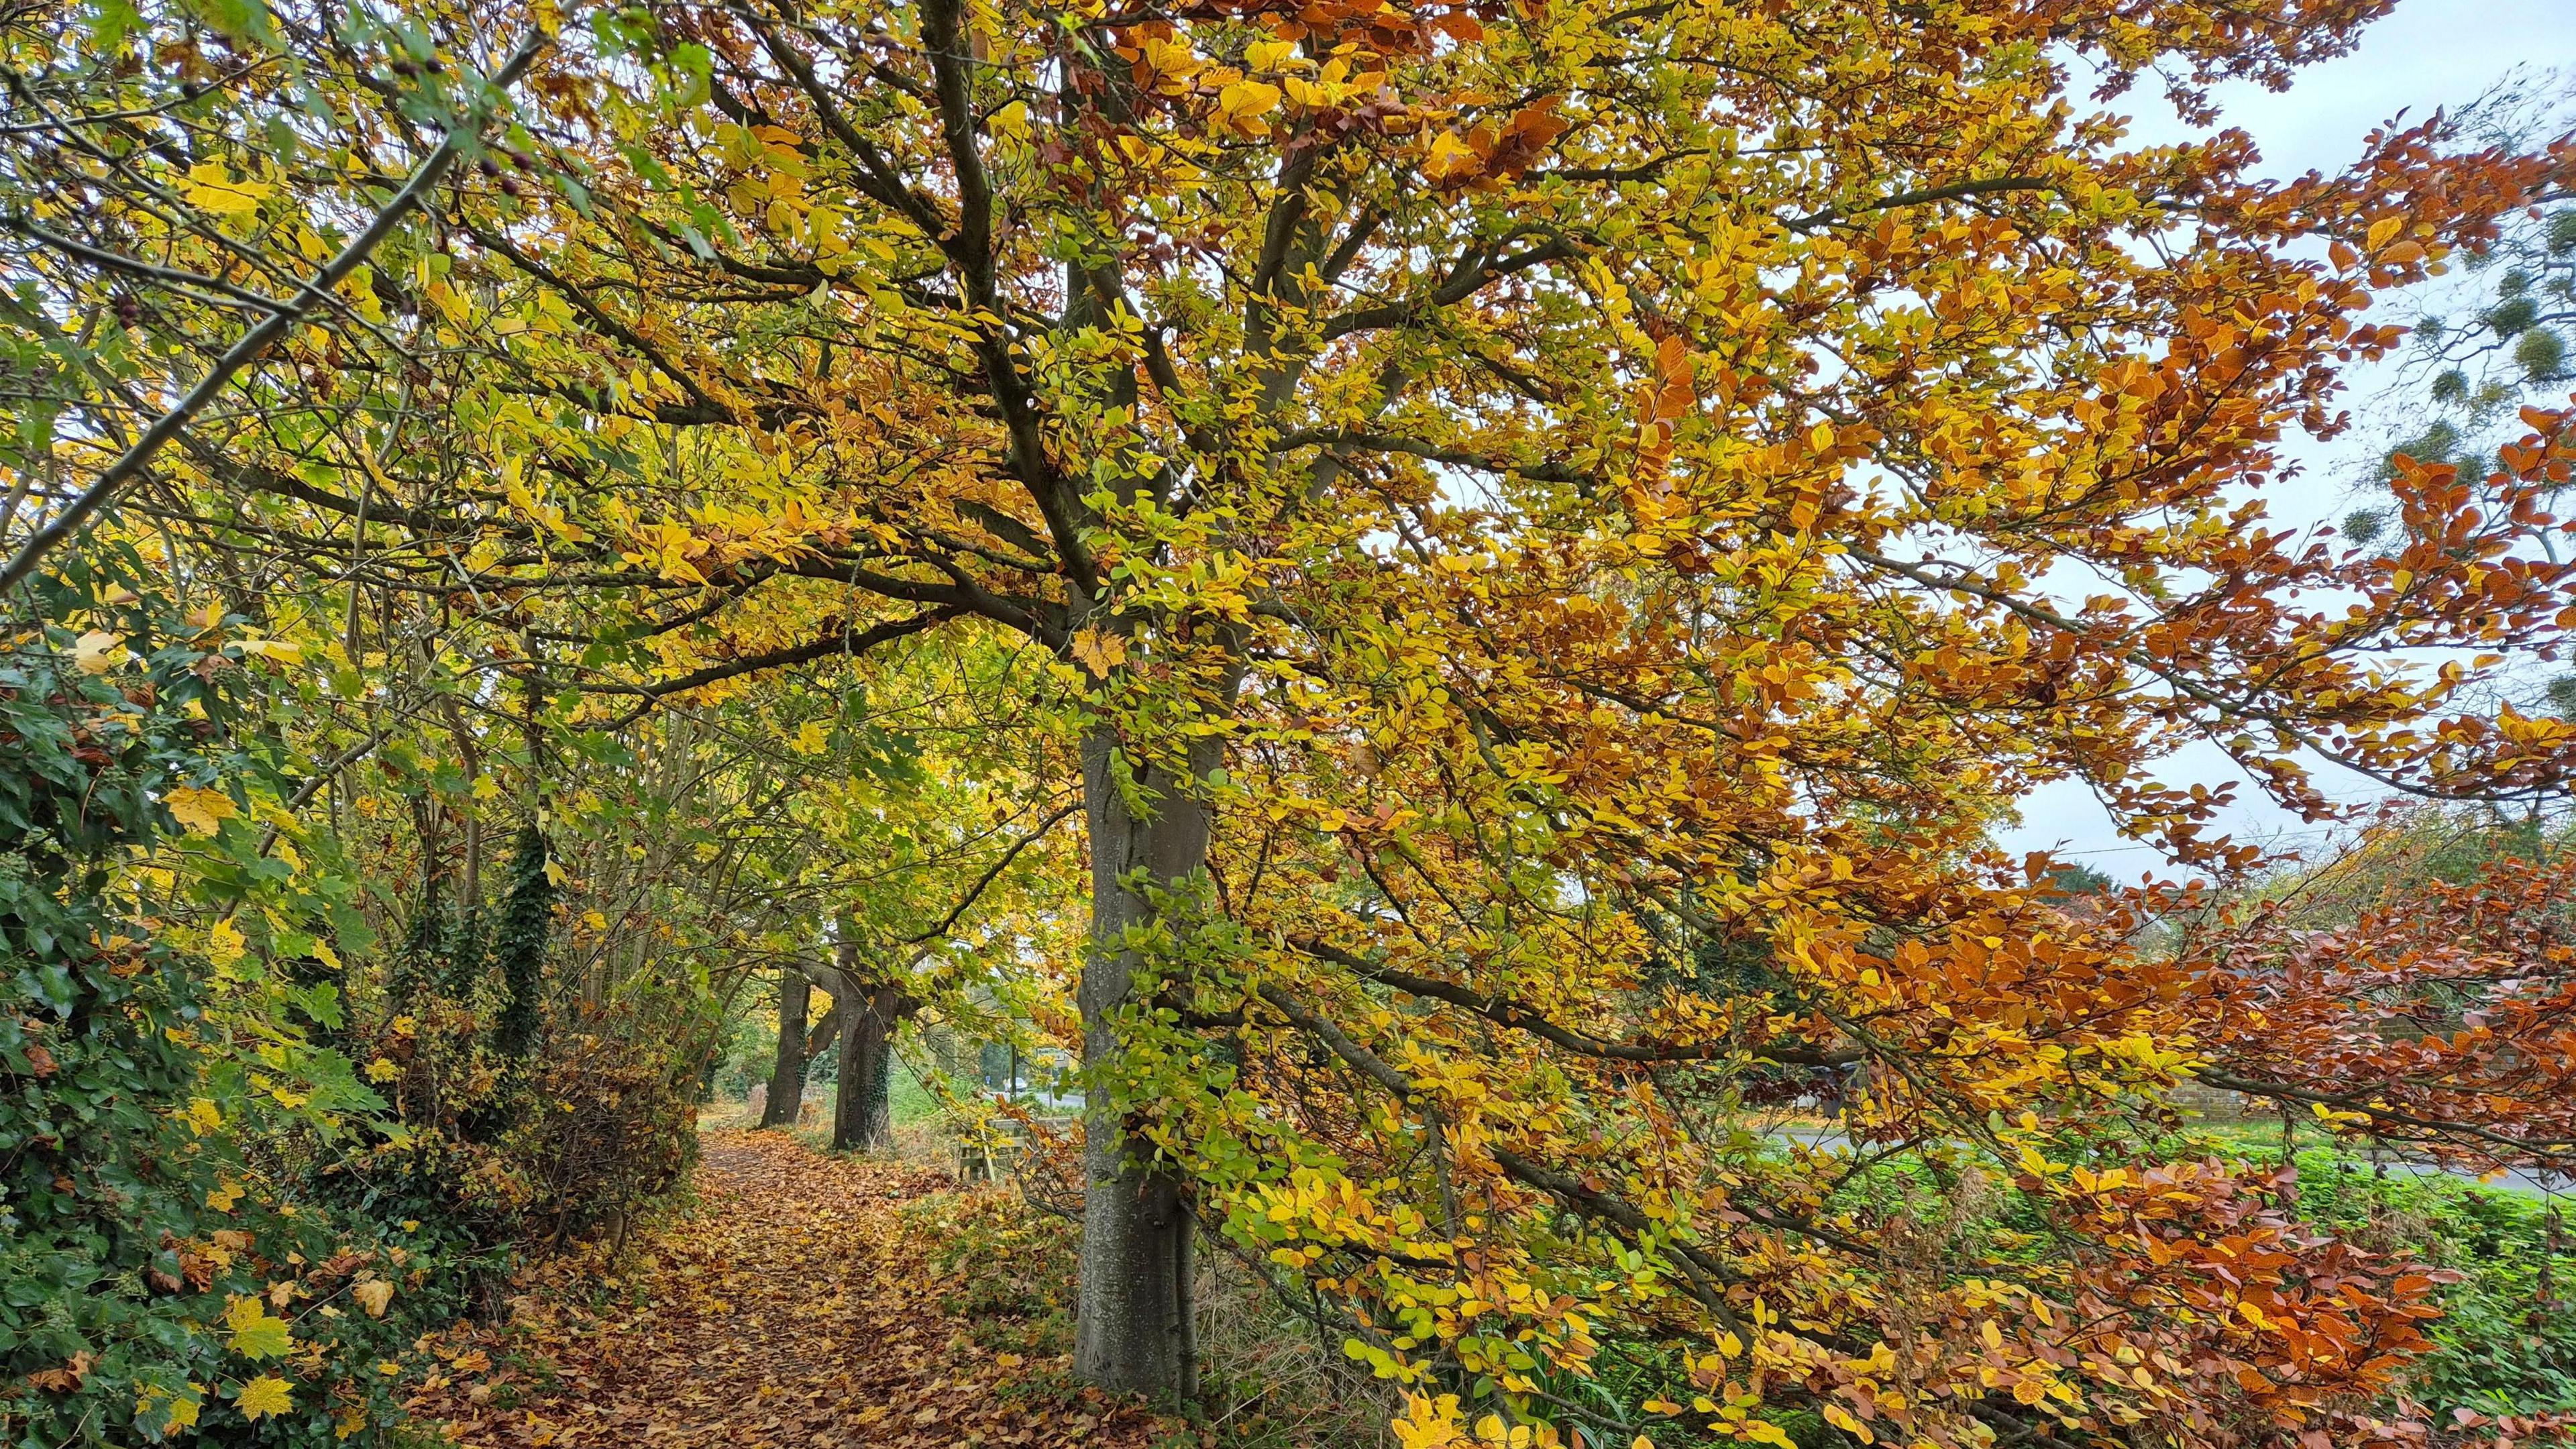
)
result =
(787, 1073)
(1133, 1312)
(862, 1105)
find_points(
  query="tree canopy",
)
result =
(1541, 541)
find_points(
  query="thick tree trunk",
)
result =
(787, 1073)
(862, 1105)
(1132, 1324)
(861, 1121)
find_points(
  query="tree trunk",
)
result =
(861, 1121)
(862, 1105)
(787, 1073)
(1132, 1322)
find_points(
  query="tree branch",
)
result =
(243, 352)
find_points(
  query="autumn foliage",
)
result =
(1541, 542)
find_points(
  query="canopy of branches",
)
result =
(1450, 596)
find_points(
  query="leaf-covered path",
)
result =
(794, 1306)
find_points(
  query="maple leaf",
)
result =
(201, 810)
(65, 1379)
(255, 1332)
(1099, 651)
(262, 1397)
(98, 651)
(225, 944)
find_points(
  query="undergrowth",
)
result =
(1265, 1381)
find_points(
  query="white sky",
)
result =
(2431, 53)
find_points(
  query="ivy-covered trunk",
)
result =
(519, 948)
(1132, 1328)
(870, 1011)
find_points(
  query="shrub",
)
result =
(151, 1276)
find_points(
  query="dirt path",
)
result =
(795, 1306)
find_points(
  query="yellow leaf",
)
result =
(284, 651)
(98, 651)
(373, 1295)
(1011, 121)
(1840, 1418)
(1273, 55)
(199, 809)
(264, 1395)
(225, 943)
(381, 1070)
(257, 1333)
(203, 1116)
(1099, 653)
(1449, 157)
(211, 188)
(1246, 100)
(1429, 1423)
(222, 1199)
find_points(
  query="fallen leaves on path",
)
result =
(796, 1304)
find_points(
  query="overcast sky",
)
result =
(2431, 53)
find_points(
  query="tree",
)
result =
(519, 946)
(871, 1009)
(1469, 486)
(1303, 380)
(2494, 339)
